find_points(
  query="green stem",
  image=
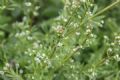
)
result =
(66, 58)
(107, 8)
(102, 11)
(98, 13)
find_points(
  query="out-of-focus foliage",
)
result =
(59, 40)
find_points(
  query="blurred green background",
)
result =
(40, 15)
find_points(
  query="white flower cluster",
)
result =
(37, 45)
(106, 38)
(60, 44)
(117, 57)
(39, 57)
(28, 4)
(107, 61)
(59, 29)
(42, 58)
(32, 8)
(77, 33)
(2, 7)
(22, 34)
(117, 39)
(83, 1)
(6, 67)
(77, 48)
(75, 4)
(92, 74)
(1, 72)
(109, 50)
(89, 13)
(35, 12)
(67, 4)
(89, 29)
(63, 18)
(74, 24)
(30, 52)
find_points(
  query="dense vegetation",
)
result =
(59, 39)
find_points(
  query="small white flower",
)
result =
(59, 29)
(35, 13)
(17, 65)
(77, 33)
(2, 7)
(38, 55)
(71, 60)
(37, 7)
(83, 1)
(107, 62)
(17, 35)
(59, 44)
(92, 35)
(89, 13)
(117, 37)
(37, 60)
(30, 38)
(33, 77)
(5, 68)
(30, 54)
(75, 25)
(90, 70)
(36, 45)
(7, 65)
(1, 72)
(79, 16)
(26, 52)
(24, 18)
(22, 34)
(112, 44)
(77, 48)
(117, 57)
(65, 19)
(106, 37)
(93, 75)
(102, 22)
(109, 49)
(21, 71)
(88, 30)
(28, 4)
(33, 51)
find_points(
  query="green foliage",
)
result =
(59, 40)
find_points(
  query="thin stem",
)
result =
(66, 59)
(107, 8)
(65, 25)
(54, 49)
(102, 11)
(98, 13)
